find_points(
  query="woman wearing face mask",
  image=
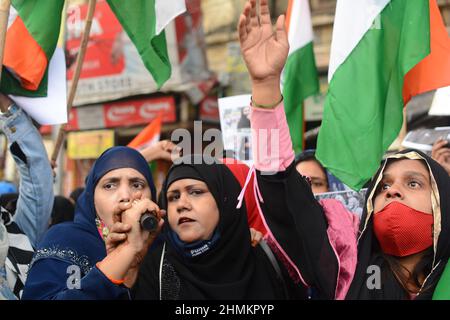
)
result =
(72, 261)
(403, 230)
(403, 243)
(207, 252)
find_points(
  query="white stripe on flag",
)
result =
(149, 143)
(166, 11)
(352, 20)
(12, 15)
(300, 27)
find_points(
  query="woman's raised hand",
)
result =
(264, 51)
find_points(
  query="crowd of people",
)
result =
(225, 231)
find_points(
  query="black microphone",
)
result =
(149, 221)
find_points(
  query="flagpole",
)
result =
(4, 14)
(76, 77)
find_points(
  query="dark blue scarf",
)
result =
(193, 249)
(79, 242)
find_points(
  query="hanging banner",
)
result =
(112, 68)
(191, 43)
(133, 112)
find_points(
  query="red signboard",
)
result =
(135, 112)
(120, 114)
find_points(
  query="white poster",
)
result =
(354, 201)
(235, 125)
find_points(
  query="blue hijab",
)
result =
(79, 242)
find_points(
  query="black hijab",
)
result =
(369, 253)
(63, 210)
(231, 269)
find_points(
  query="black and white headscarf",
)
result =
(20, 253)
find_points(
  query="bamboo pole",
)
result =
(4, 14)
(76, 77)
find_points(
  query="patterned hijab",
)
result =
(369, 253)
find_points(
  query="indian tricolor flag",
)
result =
(442, 291)
(149, 136)
(383, 53)
(299, 79)
(31, 39)
(144, 22)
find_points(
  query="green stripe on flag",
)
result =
(363, 111)
(11, 85)
(138, 18)
(300, 81)
(43, 21)
(442, 291)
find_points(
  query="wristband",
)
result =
(254, 104)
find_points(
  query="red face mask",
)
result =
(402, 231)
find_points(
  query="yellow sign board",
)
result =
(89, 144)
